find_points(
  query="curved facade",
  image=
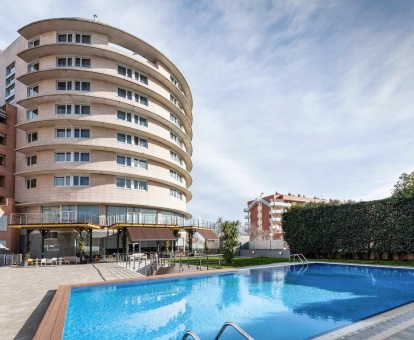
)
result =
(104, 124)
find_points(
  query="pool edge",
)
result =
(52, 324)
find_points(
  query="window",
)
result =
(10, 80)
(2, 160)
(133, 140)
(73, 38)
(3, 118)
(176, 139)
(10, 90)
(176, 158)
(10, 69)
(2, 181)
(72, 157)
(34, 43)
(129, 117)
(2, 139)
(31, 137)
(176, 121)
(139, 98)
(73, 109)
(174, 174)
(73, 61)
(68, 85)
(126, 183)
(176, 83)
(31, 183)
(132, 162)
(175, 101)
(33, 91)
(33, 67)
(75, 181)
(72, 133)
(176, 193)
(10, 100)
(31, 160)
(31, 114)
(132, 73)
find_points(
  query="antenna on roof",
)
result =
(95, 17)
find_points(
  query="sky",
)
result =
(303, 97)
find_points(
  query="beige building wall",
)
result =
(103, 99)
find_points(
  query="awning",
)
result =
(208, 234)
(151, 234)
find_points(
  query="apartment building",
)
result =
(8, 115)
(264, 214)
(97, 126)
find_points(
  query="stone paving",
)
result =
(26, 292)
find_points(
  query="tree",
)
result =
(229, 237)
(404, 188)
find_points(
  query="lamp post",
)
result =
(271, 237)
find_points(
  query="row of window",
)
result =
(131, 139)
(73, 61)
(84, 181)
(78, 38)
(74, 156)
(131, 117)
(131, 95)
(10, 85)
(176, 140)
(132, 73)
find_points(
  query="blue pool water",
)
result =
(268, 303)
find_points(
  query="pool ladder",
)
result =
(227, 324)
(301, 257)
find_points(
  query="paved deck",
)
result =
(25, 294)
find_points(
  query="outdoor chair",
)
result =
(66, 260)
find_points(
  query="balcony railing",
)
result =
(51, 218)
(275, 219)
(280, 204)
(73, 217)
(246, 210)
(276, 211)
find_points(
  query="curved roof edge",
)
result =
(115, 36)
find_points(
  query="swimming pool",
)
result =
(274, 302)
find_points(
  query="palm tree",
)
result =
(229, 237)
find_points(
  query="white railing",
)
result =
(52, 218)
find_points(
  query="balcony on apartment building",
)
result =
(280, 204)
(276, 211)
(246, 210)
(275, 219)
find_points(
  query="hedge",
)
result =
(383, 228)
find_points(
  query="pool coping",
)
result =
(52, 325)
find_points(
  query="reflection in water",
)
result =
(268, 303)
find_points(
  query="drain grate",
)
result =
(381, 326)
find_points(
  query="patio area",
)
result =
(25, 293)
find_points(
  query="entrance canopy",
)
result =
(208, 234)
(151, 234)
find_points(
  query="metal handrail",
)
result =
(192, 334)
(300, 257)
(237, 328)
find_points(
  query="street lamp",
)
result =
(271, 237)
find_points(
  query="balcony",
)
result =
(246, 217)
(247, 224)
(246, 210)
(280, 204)
(276, 211)
(275, 219)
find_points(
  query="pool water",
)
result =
(268, 303)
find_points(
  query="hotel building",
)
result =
(98, 125)
(264, 214)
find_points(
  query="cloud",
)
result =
(311, 98)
